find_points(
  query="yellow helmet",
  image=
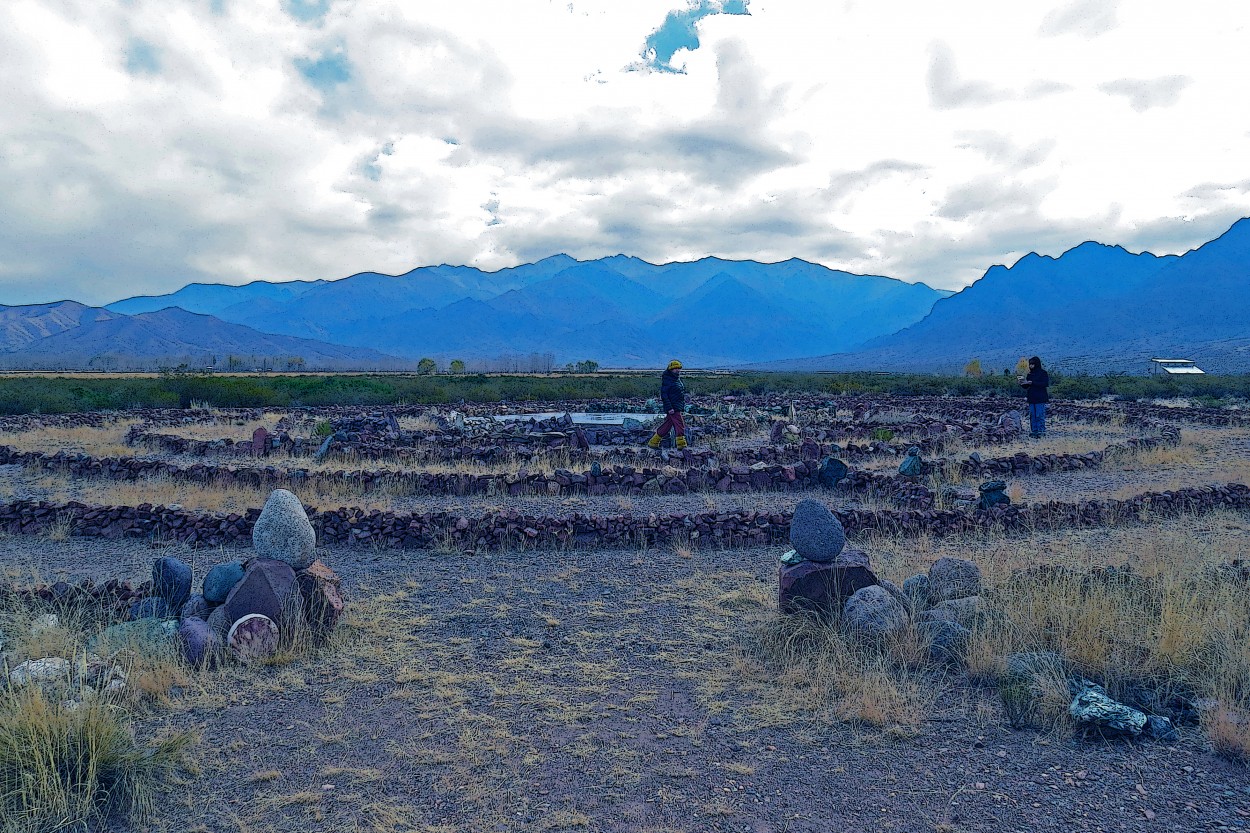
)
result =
(674, 365)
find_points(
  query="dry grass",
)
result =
(108, 440)
(223, 428)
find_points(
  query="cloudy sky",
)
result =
(145, 144)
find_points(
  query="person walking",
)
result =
(1035, 385)
(673, 398)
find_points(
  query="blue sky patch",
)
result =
(679, 31)
(141, 58)
(327, 71)
(307, 9)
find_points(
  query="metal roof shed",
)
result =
(1175, 367)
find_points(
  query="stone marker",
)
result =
(194, 608)
(253, 638)
(822, 588)
(199, 643)
(283, 533)
(815, 533)
(260, 442)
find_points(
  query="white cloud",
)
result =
(148, 143)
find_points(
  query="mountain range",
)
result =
(619, 311)
(70, 335)
(1094, 308)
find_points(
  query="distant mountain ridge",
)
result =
(67, 334)
(619, 310)
(1095, 308)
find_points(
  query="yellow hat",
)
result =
(674, 365)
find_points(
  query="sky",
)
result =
(146, 144)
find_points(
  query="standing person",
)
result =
(673, 397)
(1035, 385)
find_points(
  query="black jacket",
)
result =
(672, 392)
(1036, 392)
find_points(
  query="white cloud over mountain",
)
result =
(148, 143)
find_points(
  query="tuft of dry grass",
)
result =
(65, 767)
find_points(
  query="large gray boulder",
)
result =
(953, 578)
(815, 533)
(873, 613)
(283, 533)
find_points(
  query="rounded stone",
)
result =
(815, 533)
(194, 608)
(873, 613)
(171, 580)
(953, 578)
(221, 579)
(253, 638)
(149, 608)
(947, 639)
(199, 643)
(283, 533)
(917, 589)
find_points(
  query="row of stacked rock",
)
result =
(823, 576)
(246, 606)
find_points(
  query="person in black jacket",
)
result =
(1035, 385)
(673, 397)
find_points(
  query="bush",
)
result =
(64, 767)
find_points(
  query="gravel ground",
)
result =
(526, 691)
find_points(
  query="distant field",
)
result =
(74, 392)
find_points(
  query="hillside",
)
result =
(70, 335)
(1095, 308)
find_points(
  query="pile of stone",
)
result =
(825, 577)
(247, 607)
(820, 574)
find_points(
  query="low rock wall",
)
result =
(510, 529)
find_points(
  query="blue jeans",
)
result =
(1037, 418)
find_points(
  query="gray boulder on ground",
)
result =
(221, 579)
(1096, 713)
(1011, 421)
(966, 611)
(150, 637)
(41, 672)
(897, 592)
(815, 533)
(194, 608)
(171, 581)
(953, 578)
(872, 613)
(947, 639)
(283, 533)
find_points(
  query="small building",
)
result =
(1174, 367)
